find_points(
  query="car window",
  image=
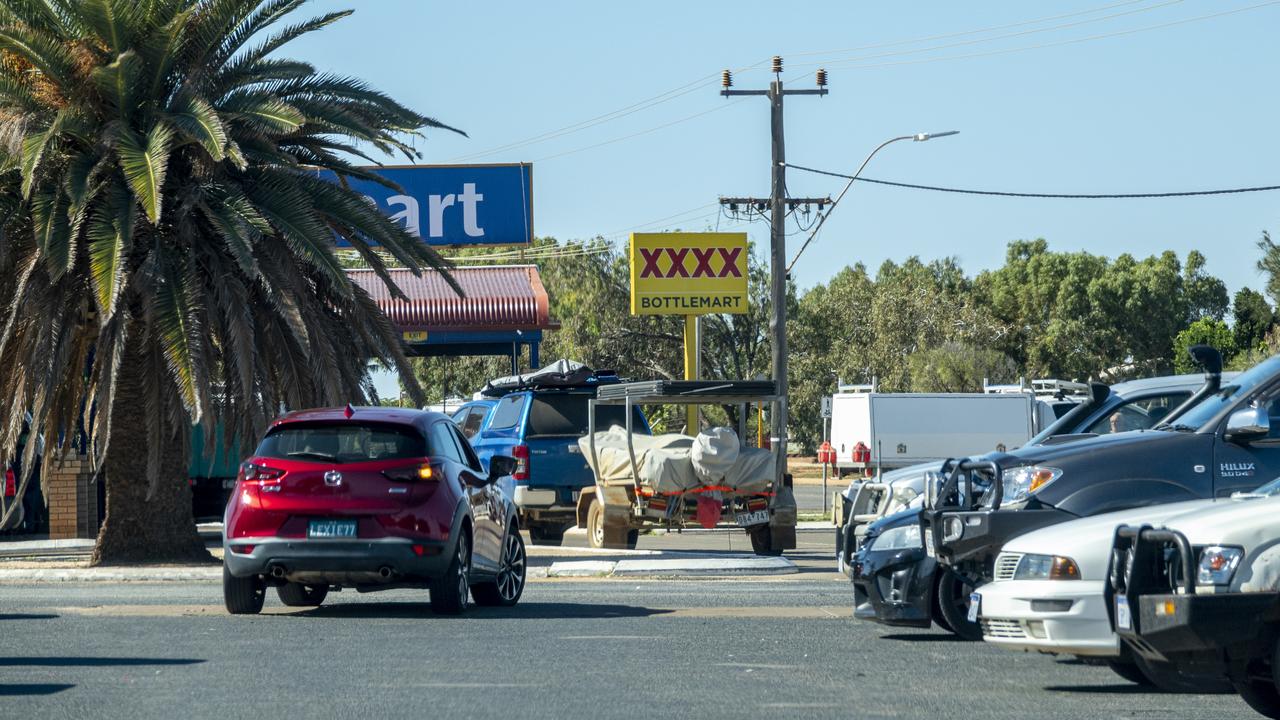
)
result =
(507, 413)
(473, 422)
(1244, 384)
(461, 416)
(443, 444)
(469, 457)
(565, 415)
(1138, 414)
(342, 443)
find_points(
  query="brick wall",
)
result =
(72, 498)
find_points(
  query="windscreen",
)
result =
(342, 443)
(1244, 384)
(566, 416)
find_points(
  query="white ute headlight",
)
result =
(1019, 483)
(899, 538)
(1218, 564)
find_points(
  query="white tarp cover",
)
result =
(713, 454)
(666, 461)
(663, 459)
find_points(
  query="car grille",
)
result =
(1007, 565)
(1007, 629)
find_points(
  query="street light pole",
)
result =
(777, 248)
(918, 137)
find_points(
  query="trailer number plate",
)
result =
(1123, 620)
(747, 519)
(975, 602)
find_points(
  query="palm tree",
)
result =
(168, 245)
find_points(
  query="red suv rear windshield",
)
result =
(343, 442)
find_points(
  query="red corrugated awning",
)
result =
(509, 297)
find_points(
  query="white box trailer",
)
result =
(902, 429)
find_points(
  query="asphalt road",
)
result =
(785, 647)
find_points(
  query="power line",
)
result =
(1064, 196)
(701, 82)
(963, 33)
(639, 133)
(1059, 43)
(975, 41)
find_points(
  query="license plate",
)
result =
(228, 483)
(331, 529)
(753, 518)
(574, 449)
(975, 602)
(1124, 621)
(928, 542)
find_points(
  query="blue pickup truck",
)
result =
(537, 419)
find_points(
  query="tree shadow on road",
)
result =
(1119, 689)
(65, 661)
(526, 611)
(924, 637)
(15, 689)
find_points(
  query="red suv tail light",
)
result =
(521, 454)
(251, 472)
(10, 483)
(422, 472)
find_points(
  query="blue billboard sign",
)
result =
(457, 204)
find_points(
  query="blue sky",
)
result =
(1184, 107)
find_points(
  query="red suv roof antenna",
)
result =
(349, 411)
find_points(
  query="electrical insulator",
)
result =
(726, 79)
(822, 77)
(777, 64)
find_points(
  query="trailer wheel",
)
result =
(595, 524)
(762, 541)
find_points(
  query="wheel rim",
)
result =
(960, 599)
(511, 573)
(464, 569)
(597, 529)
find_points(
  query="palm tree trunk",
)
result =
(138, 530)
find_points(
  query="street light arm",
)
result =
(919, 137)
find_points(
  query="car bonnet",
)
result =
(1088, 540)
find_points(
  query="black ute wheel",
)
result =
(505, 589)
(762, 541)
(242, 596)
(449, 591)
(953, 605)
(935, 606)
(298, 595)
(1261, 696)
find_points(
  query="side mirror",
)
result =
(501, 466)
(1248, 424)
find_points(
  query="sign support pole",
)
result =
(692, 364)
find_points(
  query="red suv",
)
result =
(370, 498)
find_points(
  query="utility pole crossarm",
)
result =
(732, 93)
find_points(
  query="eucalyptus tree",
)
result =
(169, 240)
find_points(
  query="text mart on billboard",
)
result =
(688, 273)
(456, 205)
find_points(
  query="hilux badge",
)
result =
(1236, 469)
(333, 478)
